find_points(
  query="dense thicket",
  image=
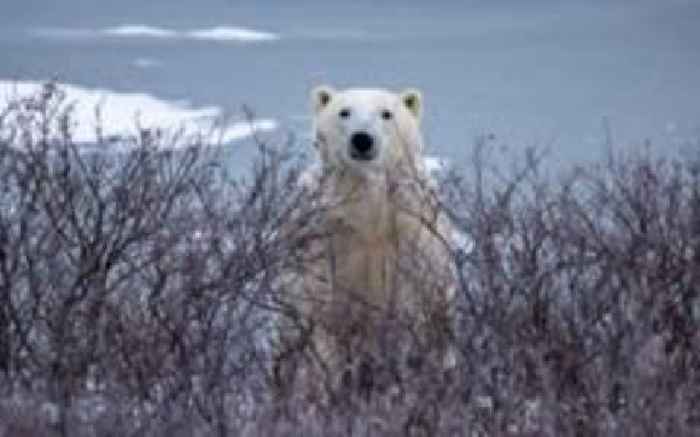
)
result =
(139, 293)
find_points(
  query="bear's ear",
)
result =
(413, 101)
(321, 96)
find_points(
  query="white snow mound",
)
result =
(123, 114)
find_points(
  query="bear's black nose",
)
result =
(362, 145)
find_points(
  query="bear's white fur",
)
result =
(385, 251)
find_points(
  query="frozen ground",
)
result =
(219, 33)
(122, 114)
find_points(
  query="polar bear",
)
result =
(383, 259)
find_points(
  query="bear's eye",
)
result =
(387, 115)
(344, 113)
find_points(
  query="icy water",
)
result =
(531, 73)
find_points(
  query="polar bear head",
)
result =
(366, 130)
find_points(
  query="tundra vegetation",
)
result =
(140, 293)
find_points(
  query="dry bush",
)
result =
(136, 278)
(139, 294)
(581, 309)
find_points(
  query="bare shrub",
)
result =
(580, 302)
(133, 277)
(140, 293)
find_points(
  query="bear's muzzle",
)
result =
(362, 146)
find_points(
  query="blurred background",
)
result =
(542, 72)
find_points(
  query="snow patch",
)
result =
(122, 114)
(138, 31)
(231, 34)
(436, 165)
(141, 31)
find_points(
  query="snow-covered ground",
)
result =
(218, 33)
(123, 114)
(436, 165)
